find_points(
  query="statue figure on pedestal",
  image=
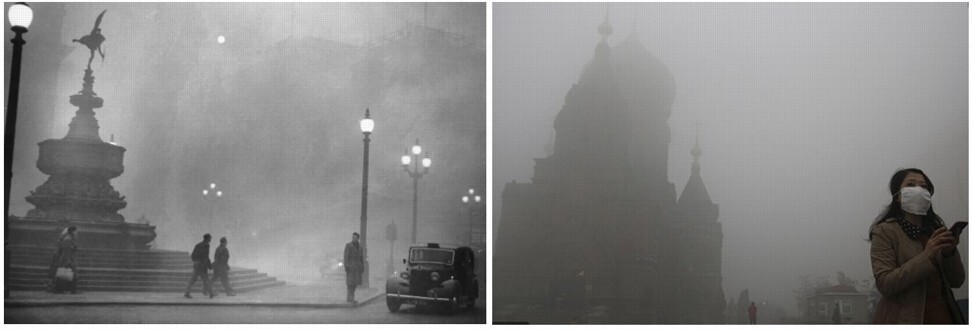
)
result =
(94, 40)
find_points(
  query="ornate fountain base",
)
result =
(78, 191)
(91, 235)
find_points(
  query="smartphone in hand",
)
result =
(958, 227)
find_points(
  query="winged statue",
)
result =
(94, 40)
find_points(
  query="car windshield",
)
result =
(432, 256)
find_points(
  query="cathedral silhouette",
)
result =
(599, 227)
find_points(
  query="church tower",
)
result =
(596, 224)
(698, 260)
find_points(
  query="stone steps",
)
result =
(124, 271)
(120, 264)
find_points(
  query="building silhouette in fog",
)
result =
(600, 212)
(698, 253)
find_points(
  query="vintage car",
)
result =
(435, 275)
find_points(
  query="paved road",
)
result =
(374, 312)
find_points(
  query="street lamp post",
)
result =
(416, 175)
(471, 201)
(213, 195)
(367, 126)
(20, 15)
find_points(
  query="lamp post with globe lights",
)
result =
(367, 126)
(416, 175)
(472, 203)
(20, 16)
(212, 195)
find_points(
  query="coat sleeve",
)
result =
(954, 270)
(891, 278)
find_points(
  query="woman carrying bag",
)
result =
(64, 269)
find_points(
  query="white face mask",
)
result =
(915, 200)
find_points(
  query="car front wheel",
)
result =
(393, 304)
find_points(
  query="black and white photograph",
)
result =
(730, 163)
(245, 163)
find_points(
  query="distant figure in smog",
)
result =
(221, 267)
(752, 312)
(200, 267)
(353, 265)
(64, 258)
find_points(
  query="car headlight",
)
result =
(435, 276)
(404, 275)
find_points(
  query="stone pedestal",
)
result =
(78, 191)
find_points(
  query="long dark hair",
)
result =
(894, 210)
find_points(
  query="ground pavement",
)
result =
(320, 295)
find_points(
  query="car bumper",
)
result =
(419, 300)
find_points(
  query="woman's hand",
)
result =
(941, 242)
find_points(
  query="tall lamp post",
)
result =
(471, 201)
(416, 175)
(367, 125)
(212, 195)
(20, 15)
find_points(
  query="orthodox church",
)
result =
(600, 225)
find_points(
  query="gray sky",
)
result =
(271, 116)
(806, 111)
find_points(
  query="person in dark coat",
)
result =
(353, 265)
(200, 267)
(64, 258)
(221, 267)
(752, 312)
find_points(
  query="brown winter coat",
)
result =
(901, 272)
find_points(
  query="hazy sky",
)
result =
(806, 110)
(271, 115)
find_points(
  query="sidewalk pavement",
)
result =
(319, 295)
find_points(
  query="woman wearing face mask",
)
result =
(913, 257)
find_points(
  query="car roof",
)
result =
(443, 247)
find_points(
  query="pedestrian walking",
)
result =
(353, 265)
(221, 267)
(200, 267)
(752, 312)
(63, 272)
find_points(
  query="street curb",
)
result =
(189, 303)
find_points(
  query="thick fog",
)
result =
(271, 115)
(803, 112)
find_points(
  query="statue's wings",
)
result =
(98, 21)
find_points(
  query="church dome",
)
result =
(643, 76)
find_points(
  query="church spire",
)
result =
(605, 28)
(696, 151)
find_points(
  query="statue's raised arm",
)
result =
(94, 40)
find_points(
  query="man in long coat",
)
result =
(200, 266)
(353, 265)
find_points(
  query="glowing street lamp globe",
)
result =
(20, 15)
(367, 124)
